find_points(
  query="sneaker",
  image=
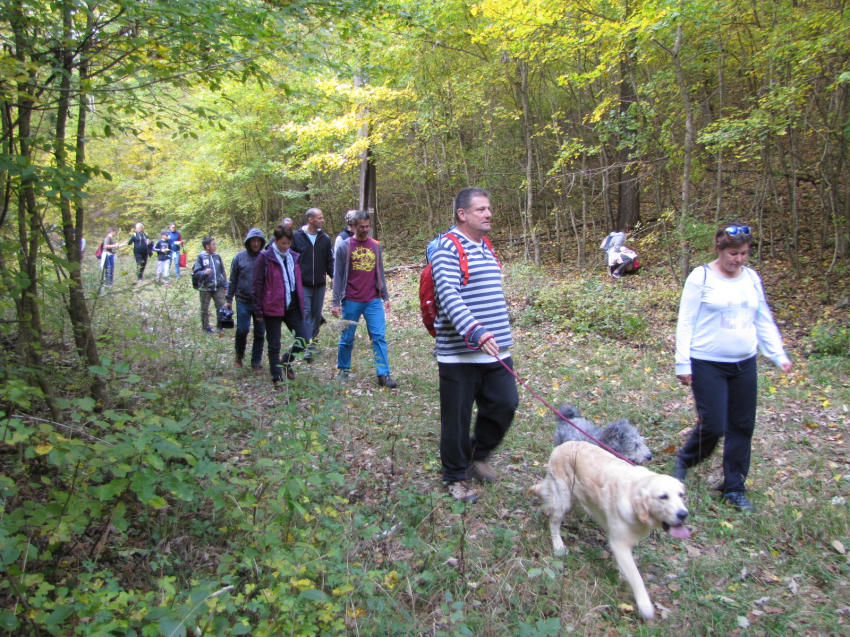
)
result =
(342, 375)
(386, 381)
(679, 470)
(209, 330)
(738, 500)
(616, 275)
(483, 471)
(460, 491)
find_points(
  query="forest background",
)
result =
(663, 118)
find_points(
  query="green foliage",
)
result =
(592, 306)
(830, 337)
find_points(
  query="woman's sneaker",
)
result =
(738, 500)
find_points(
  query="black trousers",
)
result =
(294, 321)
(493, 390)
(141, 262)
(725, 395)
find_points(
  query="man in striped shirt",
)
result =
(472, 333)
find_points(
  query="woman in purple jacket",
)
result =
(279, 299)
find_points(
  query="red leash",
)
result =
(555, 411)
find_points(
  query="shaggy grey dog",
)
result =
(621, 436)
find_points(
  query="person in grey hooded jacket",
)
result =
(240, 287)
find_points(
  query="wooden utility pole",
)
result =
(368, 190)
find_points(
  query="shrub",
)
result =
(830, 337)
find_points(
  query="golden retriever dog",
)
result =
(627, 501)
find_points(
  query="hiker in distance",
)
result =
(360, 289)
(473, 334)
(317, 260)
(241, 288)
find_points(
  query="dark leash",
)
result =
(553, 410)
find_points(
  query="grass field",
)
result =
(319, 510)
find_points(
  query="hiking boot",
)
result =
(738, 500)
(258, 369)
(679, 470)
(617, 275)
(386, 381)
(237, 362)
(290, 373)
(343, 375)
(460, 491)
(209, 330)
(484, 472)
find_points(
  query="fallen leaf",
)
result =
(669, 449)
(692, 550)
(674, 586)
(772, 609)
(838, 546)
(793, 586)
(626, 608)
(742, 622)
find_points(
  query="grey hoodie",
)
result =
(242, 270)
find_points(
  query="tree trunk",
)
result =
(628, 192)
(78, 310)
(529, 160)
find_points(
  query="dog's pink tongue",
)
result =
(680, 532)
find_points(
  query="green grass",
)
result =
(326, 513)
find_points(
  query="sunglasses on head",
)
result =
(733, 230)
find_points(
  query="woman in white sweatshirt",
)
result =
(723, 319)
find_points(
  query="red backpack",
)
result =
(427, 293)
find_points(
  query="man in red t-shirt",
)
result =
(359, 289)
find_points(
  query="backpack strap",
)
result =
(492, 250)
(461, 254)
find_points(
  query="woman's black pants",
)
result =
(725, 395)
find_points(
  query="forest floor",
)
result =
(420, 563)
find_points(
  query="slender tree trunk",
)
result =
(690, 138)
(529, 160)
(628, 191)
(30, 345)
(78, 309)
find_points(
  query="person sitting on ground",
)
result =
(279, 299)
(209, 269)
(622, 261)
(163, 257)
(241, 287)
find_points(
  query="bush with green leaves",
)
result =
(830, 337)
(590, 306)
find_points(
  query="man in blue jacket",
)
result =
(241, 287)
(317, 260)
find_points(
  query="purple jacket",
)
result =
(269, 290)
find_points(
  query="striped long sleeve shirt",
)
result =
(468, 311)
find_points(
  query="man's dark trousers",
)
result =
(493, 389)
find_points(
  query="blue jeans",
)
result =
(244, 316)
(175, 259)
(108, 269)
(314, 299)
(376, 323)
